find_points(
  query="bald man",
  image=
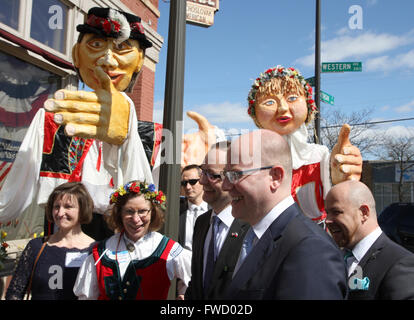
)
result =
(378, 268)
(284, 255)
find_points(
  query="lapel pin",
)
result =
(234, 234)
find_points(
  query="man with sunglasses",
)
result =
(284, 254)
(217, 235)
(191, 205)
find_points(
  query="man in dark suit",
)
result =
(378, 268)
(284, 255)
(212, 273)
(192, 204)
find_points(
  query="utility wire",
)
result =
(367, 123)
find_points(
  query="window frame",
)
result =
(24, 28)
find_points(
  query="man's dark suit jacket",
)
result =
(226, 261)
(294, 259)
(390, 269)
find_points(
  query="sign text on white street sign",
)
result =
(201, 12)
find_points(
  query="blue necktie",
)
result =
(348, 258)
(247, 245)
(211, 254)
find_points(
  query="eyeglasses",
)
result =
(211, 176)
(190, 181)
(142, 213)
(234, 176)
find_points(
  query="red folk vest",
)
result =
(145, 279)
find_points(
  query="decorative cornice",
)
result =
(153, 8)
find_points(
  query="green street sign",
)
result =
(327, 98)
(341, 66)
(311, 81)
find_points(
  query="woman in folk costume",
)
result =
(136, 262)
(281, 100)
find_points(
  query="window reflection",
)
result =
(49, 20)
(9, 13)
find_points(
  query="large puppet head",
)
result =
(114, 40)
(281, 100)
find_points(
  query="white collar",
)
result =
(203, 206)
(302, 151)
(363, 245)
(140, 240)
(261, 227)
(225, 216)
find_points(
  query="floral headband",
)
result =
(279, 72)
(147, 190)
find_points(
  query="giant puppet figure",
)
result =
(86, 136)
(281, 100)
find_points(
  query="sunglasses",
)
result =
(190, 181)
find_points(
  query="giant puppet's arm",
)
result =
(102, 114)
(21, 183)
(346, 159)
(195, 146)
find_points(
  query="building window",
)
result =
(9, 13)
(387, 193)
(48, 23)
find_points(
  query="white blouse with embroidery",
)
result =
(178, 262)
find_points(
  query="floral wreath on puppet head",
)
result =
(140, 188)
(280, 72)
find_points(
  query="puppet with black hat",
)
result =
(87, 136)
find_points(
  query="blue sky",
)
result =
(248, 37)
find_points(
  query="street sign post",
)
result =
(341, 66)
(327, 98)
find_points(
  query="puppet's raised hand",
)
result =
(195, 146)
(102, 114)
(346, 159)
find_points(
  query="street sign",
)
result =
(201, 12)
(341, 66)
(327, 98)
(311, 81)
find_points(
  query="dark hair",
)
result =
(78, 190)
(114, 219)
(191, 167)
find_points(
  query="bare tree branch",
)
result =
(400, 150)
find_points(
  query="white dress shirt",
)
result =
(226, 220)
(193, 212)
(362, 247)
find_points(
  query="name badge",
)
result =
(123, 256)
(75, 259)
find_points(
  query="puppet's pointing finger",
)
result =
(343, 138)
(202, 122)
